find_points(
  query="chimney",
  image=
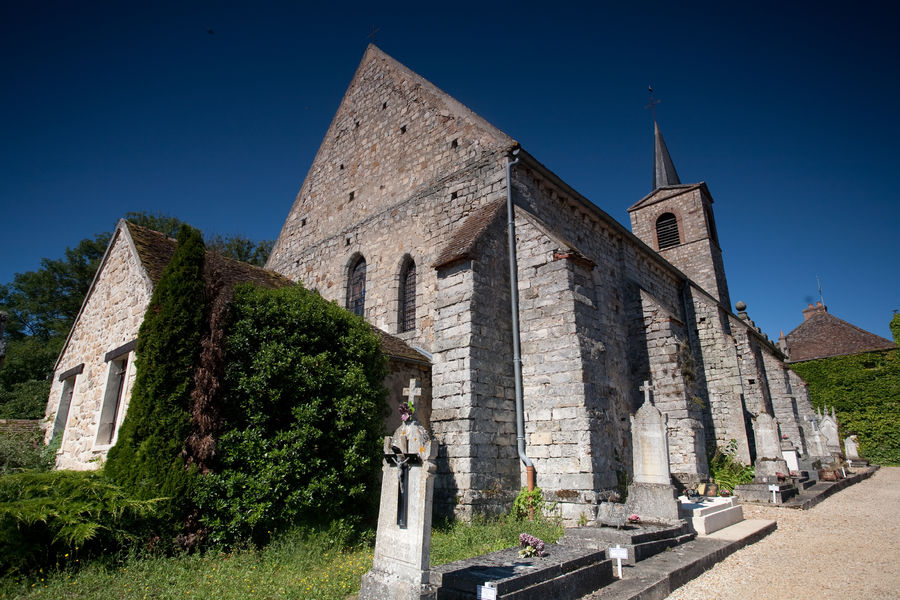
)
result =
(814, 310)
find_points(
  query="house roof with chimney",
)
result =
(822, 335)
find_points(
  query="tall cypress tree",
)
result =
(148, 457)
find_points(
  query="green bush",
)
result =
(25, 400)
(48, 517)
(148, 457)
(864, 389)
(726, 470)
(25, 451)
(529, 505)
(303, 405)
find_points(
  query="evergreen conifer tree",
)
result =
(148, 457)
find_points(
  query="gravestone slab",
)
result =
(769, 461)
(651, 495)
(400, 569)
(829, 427)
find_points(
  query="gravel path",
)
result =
(847, 547)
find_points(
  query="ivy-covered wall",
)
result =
(865, 391)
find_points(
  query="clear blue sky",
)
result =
(786, 110)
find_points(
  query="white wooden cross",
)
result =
(412, 392)
(646, 388)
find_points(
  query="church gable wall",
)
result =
(110, 318)
(419, 227)
(394, 137)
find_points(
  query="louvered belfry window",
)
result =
(408, 297)
(356, 288)
(667, 231)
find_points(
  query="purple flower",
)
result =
(529, 541)
(406, 411)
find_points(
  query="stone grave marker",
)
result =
(816, 443)
(651, 495)
(829, 428)
(790, 456)
(400, 570)
(769, 460)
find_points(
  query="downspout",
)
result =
(514, 305)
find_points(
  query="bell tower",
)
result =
(676, 220)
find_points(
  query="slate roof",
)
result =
(664, 173)
(823, 335)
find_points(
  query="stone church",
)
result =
(403, 219)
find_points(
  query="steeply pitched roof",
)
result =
(155, 251)
(462, 245)
(664, 173)
(823, 335)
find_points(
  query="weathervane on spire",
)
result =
(653, 103)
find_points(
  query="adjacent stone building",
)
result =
(402, 219)
(93, 376)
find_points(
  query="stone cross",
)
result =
(412, 392)
(647, 388)
(401, 566)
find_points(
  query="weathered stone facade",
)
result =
(110, 318)
(406, 171)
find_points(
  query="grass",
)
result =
(323, 565)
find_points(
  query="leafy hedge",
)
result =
(865, 391)
(148, 458)
(49, 517)
(303, 405)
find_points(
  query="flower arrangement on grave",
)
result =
(406, 411)
(724, 492)
(531, 546)
(634, 518)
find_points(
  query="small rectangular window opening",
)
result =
(352, 195)
(403, 129)
(112, 400)
(302, 222)
(454, 144)
(453, 195)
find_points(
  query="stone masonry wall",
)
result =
(473, 411)
(400, 166)
(109, 319)
(719, 380)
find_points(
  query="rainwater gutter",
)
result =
(514, 305)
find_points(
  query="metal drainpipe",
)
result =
(514, 304)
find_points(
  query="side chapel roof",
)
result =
(155, 249)
(822, 335)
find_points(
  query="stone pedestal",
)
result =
(401, 567)
(790, 456)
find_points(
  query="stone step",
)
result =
(565, 572)
(759, 492)
(688, 509)
(642, 541)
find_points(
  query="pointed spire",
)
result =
(663, 169)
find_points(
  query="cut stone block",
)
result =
(712, 514)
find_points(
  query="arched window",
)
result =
(407, 316)
(667, 231)
(356, 288)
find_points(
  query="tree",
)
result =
(148, 457)
(43, 304)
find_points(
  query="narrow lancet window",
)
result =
(408, 296)
(356, 288)
(667, 231)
